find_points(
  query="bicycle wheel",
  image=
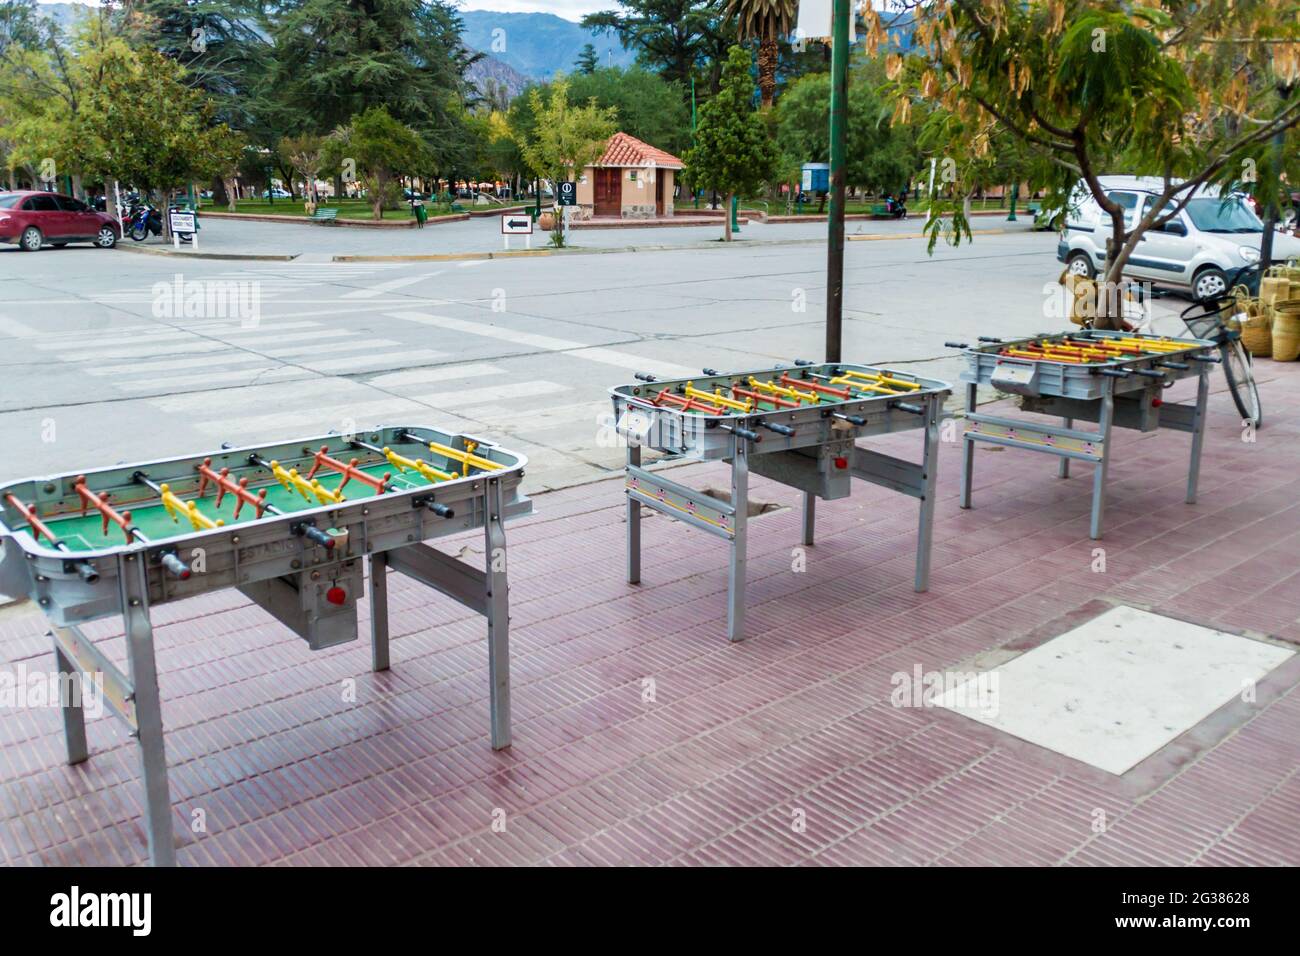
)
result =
(1237, 369)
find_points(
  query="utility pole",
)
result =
(840, 13)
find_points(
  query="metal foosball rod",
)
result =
(418, 465)
(292, 481)
(84, 567)
(349, 471)
(467, 458)
(170, 560)
(171, 501)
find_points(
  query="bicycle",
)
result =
(1238, 367)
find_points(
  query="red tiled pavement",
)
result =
(743, 740)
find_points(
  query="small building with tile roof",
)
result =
(632, 180)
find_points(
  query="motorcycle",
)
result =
(143, 220)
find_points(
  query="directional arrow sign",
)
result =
(516, 224)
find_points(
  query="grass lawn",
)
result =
(348, 208)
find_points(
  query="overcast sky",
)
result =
(569, 9)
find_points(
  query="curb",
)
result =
(169, 251)
(357, 223)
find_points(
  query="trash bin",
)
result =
(421, 214)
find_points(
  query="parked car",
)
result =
(33, 219)
(1198, 249)
(276, 193)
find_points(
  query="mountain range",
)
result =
(519, 47)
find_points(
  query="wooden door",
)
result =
(659, 192)
(608, 192)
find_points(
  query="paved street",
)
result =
(101, 366)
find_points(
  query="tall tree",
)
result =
(732, 152)
(587, 60)
(679, 39)
(649, 107)
(766, 21)
(383, 148)
(1193, 93)
(337, 58)
(565, 138)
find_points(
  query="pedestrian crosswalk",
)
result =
(225, 380)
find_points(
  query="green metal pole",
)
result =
(694, 191)
(835, 222)
(1015, 194)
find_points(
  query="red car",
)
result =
(33, 219)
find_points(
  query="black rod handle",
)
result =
(852, 419)
(785, 430)
(87, 572)
(989, 338)
(1149, 373)
(908, 407)
(1113, 372)
(804, 362)
(1181, 366)
(644, 377)
(314, 534)
(745, 433)
(441, 510)
(1213, 359)
(956, 345)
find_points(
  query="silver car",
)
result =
(1199, 249)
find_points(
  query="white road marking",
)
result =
(390, 286)
(462, 397)
(358, 363)
(247, 376)
(170, 333)
(201, 345)
(424, 376)
(547, 343)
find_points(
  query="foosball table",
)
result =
(1115, 379)
(795, 425)
(287, 524)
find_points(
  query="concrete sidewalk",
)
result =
(232, 238)
(737, 741)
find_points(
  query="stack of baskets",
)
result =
(1269, 325)
(1280, 292)
(1253, 318)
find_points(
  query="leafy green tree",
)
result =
(141, 124)
(306, 154)
(564, 138)
(382, 148)
(588, 59)
(878, 157)
(766, 21)
(1193, 93)
(335, 59)
(649, 107)
(678, 39)
(732, 151)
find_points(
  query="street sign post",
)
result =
(183, 222)
(517, 224)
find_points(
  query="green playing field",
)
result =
(84, 532)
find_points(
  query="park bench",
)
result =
(457, 207)
(880, 211)
(324, 214)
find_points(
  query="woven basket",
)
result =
(1256, 325)
(1286, 332)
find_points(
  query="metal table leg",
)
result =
(379, 611)
(736, 567)
(809, 516)
(498, 614)
(967, 452)
(929, 473)
(1105, 418)
(1198, 432)
(1063, 469)
(72, 686)
(633, 522)
(144, 679)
